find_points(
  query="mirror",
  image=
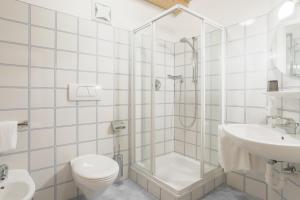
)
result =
(285, 46)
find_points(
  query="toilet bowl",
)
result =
(93, 174)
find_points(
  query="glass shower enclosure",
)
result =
(176, 100)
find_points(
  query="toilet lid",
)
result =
(94, 167)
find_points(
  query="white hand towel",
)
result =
(232, 157)
(8, 135)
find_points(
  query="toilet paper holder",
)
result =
(118, 126)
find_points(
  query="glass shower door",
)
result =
(213, 95)
(142, 101)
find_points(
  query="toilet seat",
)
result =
(95, 168)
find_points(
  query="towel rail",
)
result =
(23, 123)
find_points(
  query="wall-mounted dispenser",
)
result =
(84, 92)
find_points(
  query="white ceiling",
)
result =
(132, 13)
(225, 12)
(228, 12)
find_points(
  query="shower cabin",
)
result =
(176, 103)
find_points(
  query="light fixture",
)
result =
(286, 9)
(248, 22)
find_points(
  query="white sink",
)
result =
(264, 141)
(18, 186)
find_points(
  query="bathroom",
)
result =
(149, 100)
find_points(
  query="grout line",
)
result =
(29, 91)
(97, 82)
(55, 108)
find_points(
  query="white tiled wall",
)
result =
(248, 69)
(41, 51)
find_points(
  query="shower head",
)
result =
(185, 40)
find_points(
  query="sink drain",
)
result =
(2, 187)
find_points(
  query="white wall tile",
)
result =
(63, 78)
(256, 62)
(87, 115)
(105, 48)
(235, 81)
(13, 76)
(66, 60)
(87, 28)
(42, 118)
(256, 189)
(65, 154)
(235, 32)
(66, 22)
(19, 57)
(66, 41)
(122, 51)
(42, 77)
(62, 98)
(256, 44)
(235, 114)
(87, 77)
(87, 62)
(43, 178)
(65, 116)
(16, 161)
(41, 138)
(14, 10)
(87, 148)
(235, 98)
(42, 37)
(256, 115)
(18, 115)
(122, 35)
(42, 17)
(255, 98)
(13, 32)
(64, 173)
(105, 32)
(259, 26)
(13, 98)
(235, 48)
(235, 180)
(42, 57)
(45, 194)
(87, 132)
(105, 64)
(65, 135)
(66, 191)
(256, 80)
(235, 64)
(87, 45)
(41, 158)
(105, 146)
(42, 98)
(104, 130)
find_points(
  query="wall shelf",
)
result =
(295, 94)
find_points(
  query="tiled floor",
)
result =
(128, 190)
(226, 193)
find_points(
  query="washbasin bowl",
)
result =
(267, 142)
(18, 186)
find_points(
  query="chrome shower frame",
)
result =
(151, 24)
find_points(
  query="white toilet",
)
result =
(93, 174)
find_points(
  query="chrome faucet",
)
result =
(288, 124)
(3, 172)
